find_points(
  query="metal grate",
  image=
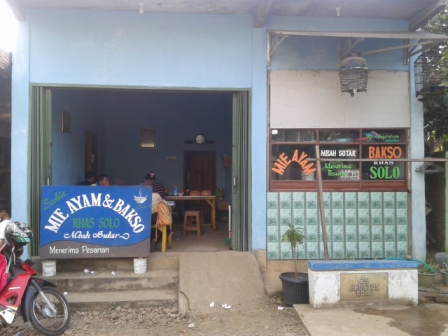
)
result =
(428, 75)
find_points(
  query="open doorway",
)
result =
(200, 174)
(200, 170)
(117, 117)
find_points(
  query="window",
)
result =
(351, 159)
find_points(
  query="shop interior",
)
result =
(184, 137)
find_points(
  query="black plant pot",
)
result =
(295, 291)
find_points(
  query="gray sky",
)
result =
(8, 29)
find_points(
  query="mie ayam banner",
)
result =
(95, 222)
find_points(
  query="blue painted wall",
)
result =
(302, 23)
(118, 116)
(68, 148)
(19, 123)
(161, 51)
(176, 117)
(126, 48)
(320, 53)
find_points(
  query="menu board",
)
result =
(383, 168)
(339, 170)
(343, 147)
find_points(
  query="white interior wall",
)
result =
(301, 98)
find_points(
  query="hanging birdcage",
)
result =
(353, 74)
(427, 74)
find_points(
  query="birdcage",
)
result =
(353, 74)
(428, 75)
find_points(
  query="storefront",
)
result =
(286, 99)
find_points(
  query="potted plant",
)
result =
(444, 272)
(426, 275)
(294, 284)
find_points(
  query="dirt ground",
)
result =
(260, 319)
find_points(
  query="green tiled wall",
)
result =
(359, 224)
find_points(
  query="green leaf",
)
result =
(293, 235)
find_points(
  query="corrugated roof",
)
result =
(417, 12)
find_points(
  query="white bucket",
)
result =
(49, 268)
(139, 265)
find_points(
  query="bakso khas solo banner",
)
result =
(95, 222)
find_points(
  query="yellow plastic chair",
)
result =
(167, 239)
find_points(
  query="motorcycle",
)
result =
(39, 302)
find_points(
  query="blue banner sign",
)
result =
(95, 222)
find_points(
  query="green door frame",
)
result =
(39, 168)
(241, 172)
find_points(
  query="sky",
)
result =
(8, 27)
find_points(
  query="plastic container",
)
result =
(445, 277)
(426, 279)
(295, 291)
(140, 265)
(49, 268)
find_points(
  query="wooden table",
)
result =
(211, 200)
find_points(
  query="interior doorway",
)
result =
(200, 174)
(200, 170)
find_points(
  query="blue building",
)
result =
(126, 87)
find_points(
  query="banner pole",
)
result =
(321, 203)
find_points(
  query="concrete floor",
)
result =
(209, 240)
(429, 319)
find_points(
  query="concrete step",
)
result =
(113, 281)
(103, 281)
(224, 276)
(127, 299)
(156, 260)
